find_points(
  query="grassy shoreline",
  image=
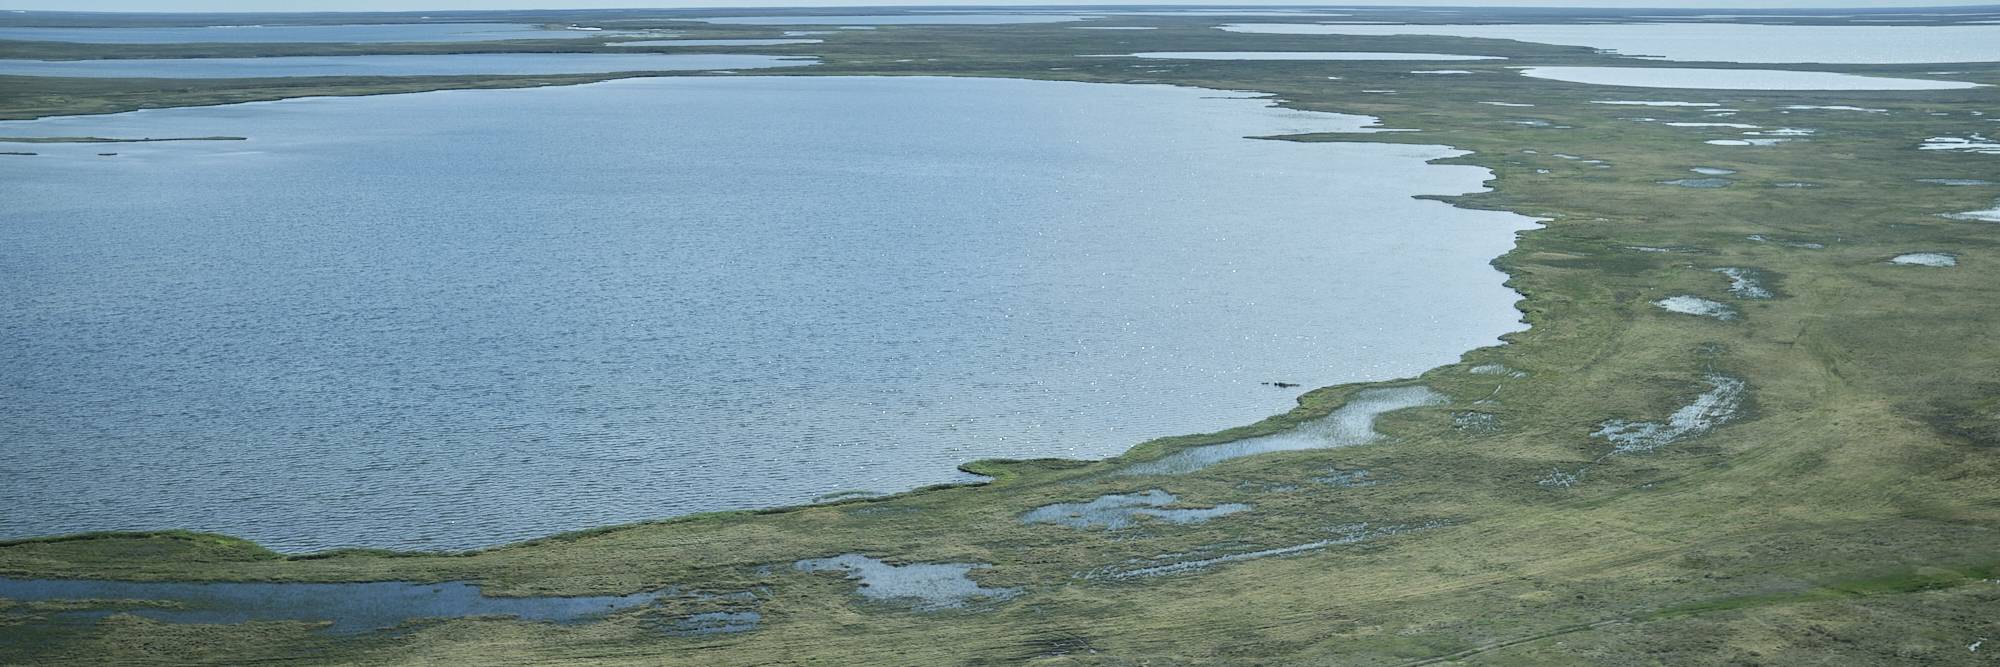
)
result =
(1845, 515)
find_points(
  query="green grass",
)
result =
(1849, 517)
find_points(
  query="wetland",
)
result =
(1613, 482)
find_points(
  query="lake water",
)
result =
(1741, 43)
(457, 64)
(1302, 55)
(894, 19)
(1735, 79)
(385, 321)
(259, 34)
(718, 42)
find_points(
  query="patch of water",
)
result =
(1302, 55)
(1830, 107)
(454, 64)
(1976, 143)
(1988, 215)
(1734, 79)
(1934, 259)
(1693, 305)
(1745, 142)
(1351, 424)
(920, 586)
(1712, 171)
(1745, 283)
(1211, 12)
(1809, 245)
(1712, 408)
(1702, 183)
(1656, 103)
(871, 20)
(1743, 126)
(290, 34)
(347, 607)
(486, 327)
(1741, 43)
(1957, 182)
(1123, 510)
(1507, 104)
(718, 42)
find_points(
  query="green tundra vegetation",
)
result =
(1809, 481)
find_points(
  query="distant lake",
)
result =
(1302, 55)
(718, 42)
(1741, 43)
(456, 64)
(239, 34)
(893, 19)
(1735, 79)
(454, 319)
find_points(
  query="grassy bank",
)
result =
(1846, 514)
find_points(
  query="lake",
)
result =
(264, 34)
(718, 42)
(456, 64)
(386, 321)
(1741, 43)
(1735, 79)
(1302, 55)
(893, 19)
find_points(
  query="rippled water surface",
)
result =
(1742, 43)
(892, 19)
(453, 64)
(1735, 79)
(1303, 55)
(386, 32)
(386, 321)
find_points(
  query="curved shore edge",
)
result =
(1812, 481)
(1311, 405)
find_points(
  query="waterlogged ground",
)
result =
(1810, 482)
(342, 608)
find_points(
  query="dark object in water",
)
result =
(1283, 385)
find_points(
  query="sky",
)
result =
(435, 5)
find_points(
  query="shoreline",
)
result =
(1307, 406)
(1844, 515)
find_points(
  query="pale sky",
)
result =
(439, 5)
